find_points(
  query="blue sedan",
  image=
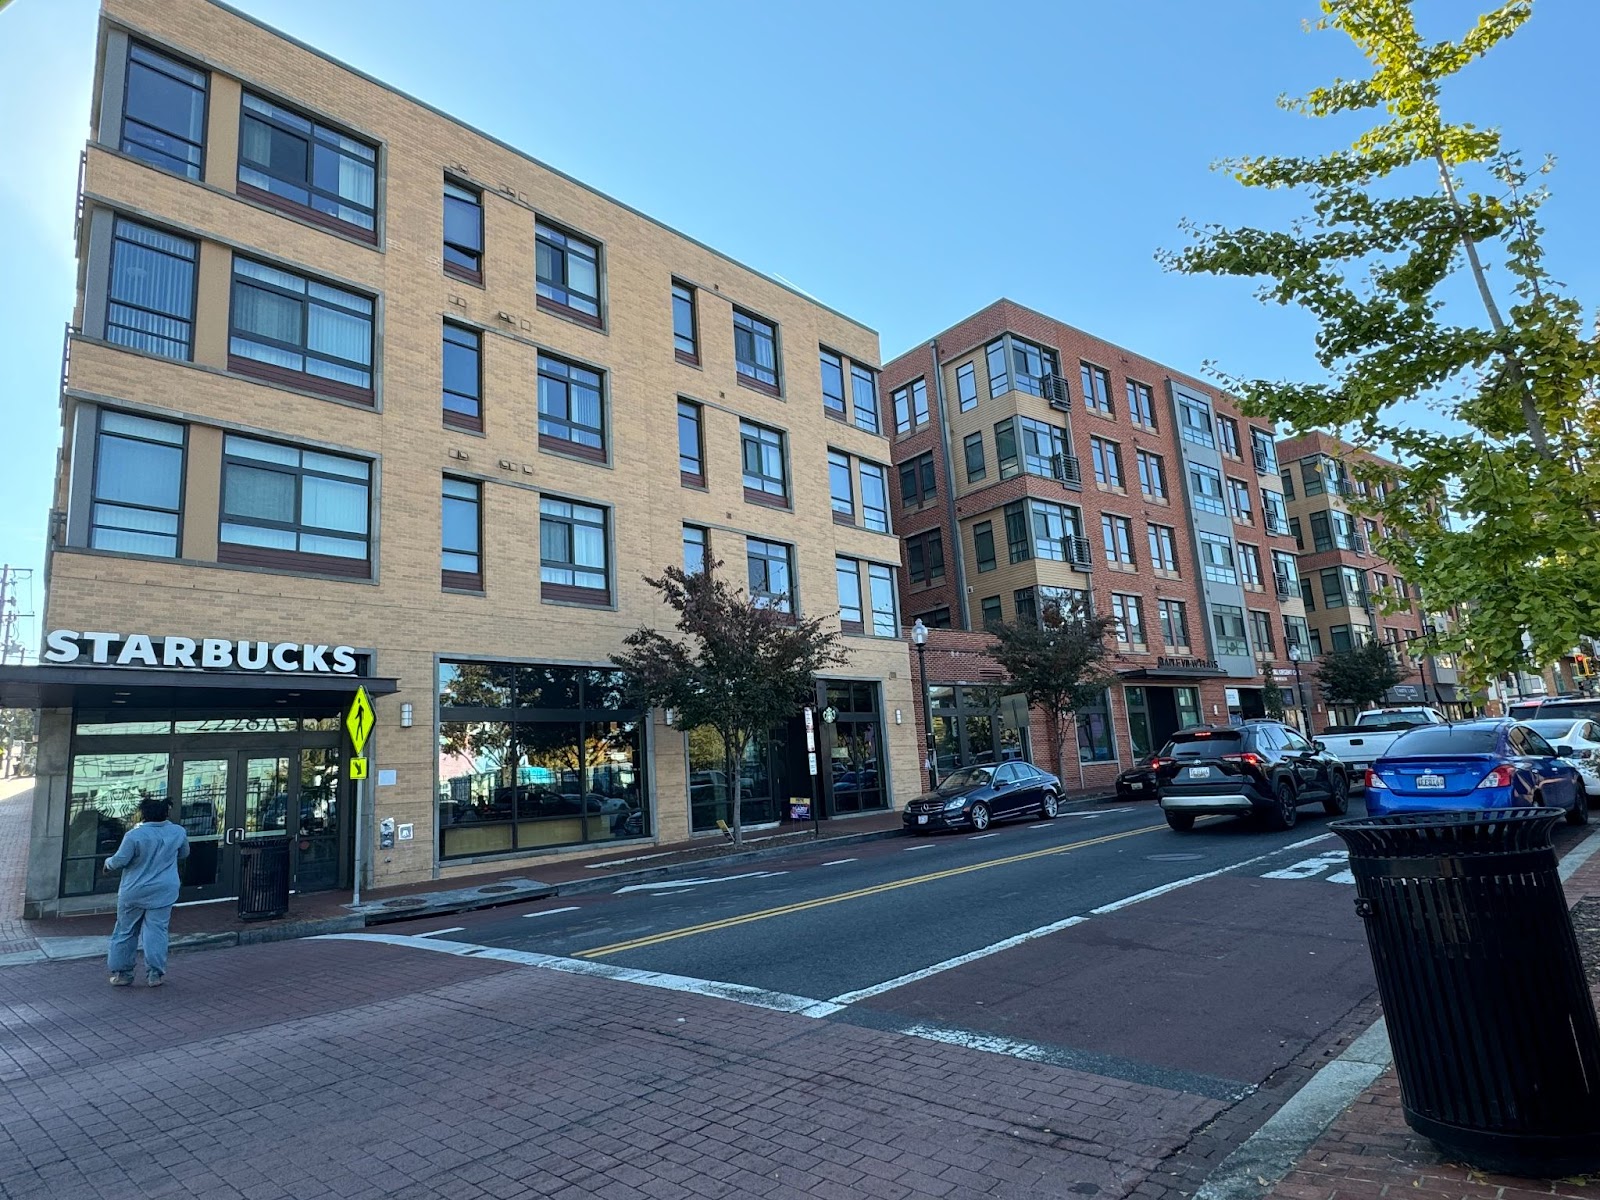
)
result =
(1474, 764)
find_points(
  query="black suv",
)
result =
(1258, 767)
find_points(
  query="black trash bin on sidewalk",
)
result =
(1489, 1013)
(263, 879)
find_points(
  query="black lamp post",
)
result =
(919, 639)
(1296, 653)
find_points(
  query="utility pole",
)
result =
(10, 578)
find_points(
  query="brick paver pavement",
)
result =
(16, 819)
(351, 1070)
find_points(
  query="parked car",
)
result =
(1497, 763)
(1139, 781)
(1577, 741)
(1360, 745)
(1571, 707)
(1260, 767)
(974, 796)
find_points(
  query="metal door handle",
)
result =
(234, 836)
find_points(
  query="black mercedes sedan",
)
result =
(973, 797)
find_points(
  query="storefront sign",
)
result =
(67, 646)
(1207, 664)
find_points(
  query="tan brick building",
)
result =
(358, 394)
(1038, 463)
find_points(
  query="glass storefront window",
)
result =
(476, 769)
(240, 725)
(96, 728)
(761, 780)
(1188, 706)
(1095, 743)
(102, 806)
(1138, 721)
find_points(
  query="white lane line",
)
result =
(1128, 901)
(924, 846)
(978, 837)
(439, 932)
(665, 885)
(803, 1006)
(617, 862)
(950, 964)
(839, 862)
(550, 912)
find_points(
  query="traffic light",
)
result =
(1582, 665)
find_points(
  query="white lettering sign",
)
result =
(68, 646)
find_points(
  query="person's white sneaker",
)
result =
(122, 979)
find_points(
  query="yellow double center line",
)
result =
(655, 939)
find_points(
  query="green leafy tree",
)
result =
(18, 741)
(739, 664)
(1059, 662)
(1359, 676)
(1272, 700)
(1392, 260)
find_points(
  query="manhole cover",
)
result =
(403, 903)
(511, 887)
(1172, 857)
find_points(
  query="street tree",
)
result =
(1059, 662)
(740, 664)
(1420, 223)
(1359, 676)
(1272, 700)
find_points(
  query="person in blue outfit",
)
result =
(148, 859)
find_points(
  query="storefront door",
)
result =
(225, 801)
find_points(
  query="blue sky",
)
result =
(904, 162)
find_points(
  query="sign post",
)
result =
(358, 723)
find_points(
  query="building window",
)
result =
(1227, 622)
(1340, 637)
(150, 301)
(1321, 532)
(938, 618)
(1206, 485)
(874, 496)
(1019, 535)
(999, 375)
(463, 232)
(1096, 388)
(1107, 457)
(1294, 632)
(832, 383)
(1332, 588)
(925, 557)
(1239, 501)
(1152, 475)
(463, 377)
(571, 411)
(307, 169)
(1174, 617)
(1274, 515)
(1287, 476)
(1264, 451)
(299, 509)
(1307, 596)
(1216, 559)
(696, 549)
(771, 574)
(461, 563)
(1095, 741)
(1294, 531)
(917, 481)
(573, 563)
(911, 406)
(1194, 421)
(1128, 612)
(885, 620)
(1314, 641)
(1141, 405)
(1250, 565)
(983, 545)
(847, 572)
(765, 480)
(1285, 577)
(295, 330)
(1035, 605)
(138, 485)
(990, 607)
(1116, 534)
(755, 351)
(691, 445)
(164, 112)
(1031, 365)
(1057, 533)
(972, 448)
(840, 490)
(1163, 549)
(568, 270)
(685, 335)
(864, 396)
(1261, 633)
(1023, 444)
(1228, 435)
(966, 387)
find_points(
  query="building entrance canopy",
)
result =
(111, 688)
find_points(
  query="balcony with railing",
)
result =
(1054, 389)
(1285, 587)
(1067, 470)
(1077, 550)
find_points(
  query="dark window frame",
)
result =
(469, 268)
(301, 378)
(852, 617)
(839, 463)
(192, 170)
(1152, 474)
(1106, 457)
(919, 473)
(693, 413)
(967, 386)
(112, 302)
(320, 133)
(868, 418)
(983, 546)
(750, 372)
(460, 417)
(752, 433)
(1141, 404)
(557, 438)
(456, 578)
(684, 294)
(181, 445)
(977, 468)
(245, 554)
(574, 592)
(911, 406)
(556, 296)
(1096, 384)
(699, 536)
(835, 403)
(760, 550)
(925, 557)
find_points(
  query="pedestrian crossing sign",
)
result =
(360, 720)
(358, 768)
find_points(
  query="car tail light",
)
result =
(1375, 781)
(1498, 778)
(1248, 758)
(1157, 763)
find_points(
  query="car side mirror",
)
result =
(1319, 746)
(1563, 751)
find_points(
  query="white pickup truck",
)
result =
(1358, 746)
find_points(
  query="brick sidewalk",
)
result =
(1371, 1152)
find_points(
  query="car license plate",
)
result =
(1137, 787)
(1430, 781)
(1199, 772)
(922, 820)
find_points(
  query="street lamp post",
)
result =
(1296, 654)
(919, 639)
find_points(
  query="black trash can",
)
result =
(1488, 1010)
(263, 879)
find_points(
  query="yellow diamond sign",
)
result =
(360, 720)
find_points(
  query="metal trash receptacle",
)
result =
(1484, 994)
(263, 879)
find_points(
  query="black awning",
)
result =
(1178, 673)
(131, 687)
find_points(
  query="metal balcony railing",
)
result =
(1054, 389)
(1078, 551)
